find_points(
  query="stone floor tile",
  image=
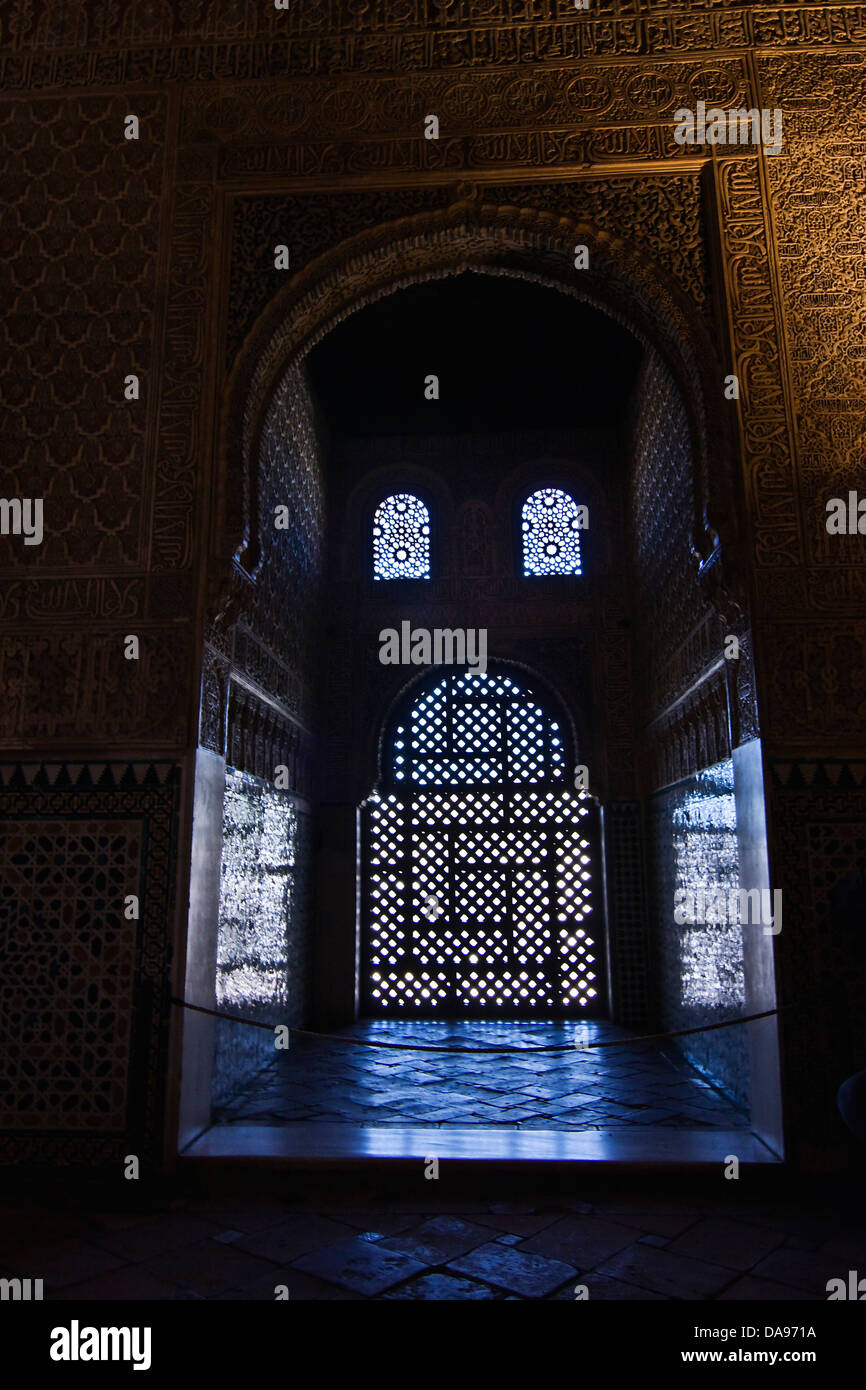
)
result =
(132, 1283)
(802, 1269)
(574, 1099)
(63, 1262)
(748, 1289)
(578, 1119)
(657, 1221)
(659, 1270)
(421, 1113)
(601, 1289)
(817, 1226)
(158, 1234)
(208, 1268)
(300, 1287)
(23, 1228)
(654, 1116)
(848, 1245)
(531, 1276)
(360, 1265)
(426, 1254)
(515, 1116)
(295, 1236)
(499, 1100)
(382, 1219)
(798, 1242)
(395, 1097)
(616, 1114)
(725, 1242)
(436, 1287)
(447, 1236)
(347, 1084)
(550, 1090)
(517, 1223)
(430, 1230)
(440, 1094)
(582, 1241)
(114, 1221)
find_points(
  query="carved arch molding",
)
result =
(491, 239)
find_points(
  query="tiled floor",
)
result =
(425, 1247)
(602, 1089)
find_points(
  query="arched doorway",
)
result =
(480, 876)
(579, 636)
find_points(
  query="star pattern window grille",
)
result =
(479, 860)
(551, 533)
(401, 538)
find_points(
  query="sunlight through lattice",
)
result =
(479, 860)
(401, 538)
(551, 533)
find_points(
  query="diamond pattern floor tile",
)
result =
(443, 1286)
(530, 1276)
(583, 1241)
(384, 1245)
(674, 1275)
(340, 1082)
(439, 1240)
(362, 1265)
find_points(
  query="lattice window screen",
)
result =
(401, 538)
(479, 861)
(551, 533)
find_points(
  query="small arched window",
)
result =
(551, 524)
(401, 538)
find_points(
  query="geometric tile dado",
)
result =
(84, 989)
(62, 890)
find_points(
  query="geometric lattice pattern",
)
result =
(706, 865)
(479, 861)
(401, 538)
(256, 891)
(551, 533)
(62, 889)
(694, 849)
(84, 989)
(626, 911)
(263, 941)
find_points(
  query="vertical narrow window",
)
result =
(401, 538)
(551, 524)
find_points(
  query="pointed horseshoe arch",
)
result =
(496, 240)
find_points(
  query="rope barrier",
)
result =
(475, 1051)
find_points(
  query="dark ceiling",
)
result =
(509, 356)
